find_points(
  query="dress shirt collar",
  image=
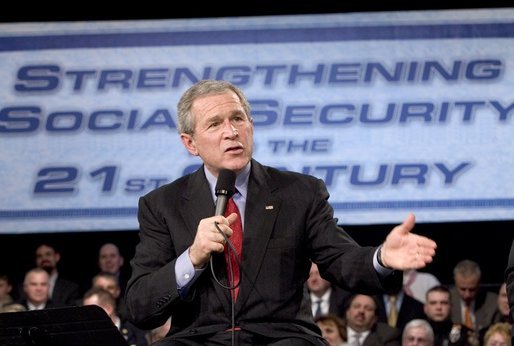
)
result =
(241, 181)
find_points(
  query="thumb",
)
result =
(408, 224)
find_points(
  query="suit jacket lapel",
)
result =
(260, 214)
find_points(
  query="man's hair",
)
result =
(419, 323)
(438, 288)
(186, 120)
(104, 297)
(467, 268)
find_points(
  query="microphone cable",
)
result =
(231, 284)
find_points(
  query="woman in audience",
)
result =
(498, 334)
(333, 329)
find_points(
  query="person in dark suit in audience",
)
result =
(325, 297)
(102, 298)
(35, 289)
(110, 260)
(285, 221)
(62, 292)
(363, 327)
(109, 282)
(472, 305)
(405, 308)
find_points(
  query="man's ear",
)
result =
(189, 143)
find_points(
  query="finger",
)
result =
(232, 218)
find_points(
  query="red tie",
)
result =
(237, 241)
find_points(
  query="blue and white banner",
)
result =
(398, 112)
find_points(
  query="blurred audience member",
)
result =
(61, 291)
(418, 332)
(362, 326)
(110, 260)
(498, 334)
(109, 282)
(397, 309)
(438, 313)
(102, 298)
(35, 289)
(502, 313)
(416, 283)
(13, 307)
(5, 290)
(333, 329)
(325, 298)
(472, 306)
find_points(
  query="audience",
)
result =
(109, 282)
(418, 332)
(397, 309)
(5, 290)
(325, 298)
(61, 291)
(102, 298)
(502, 312)
(438, 313)
(472, 305)
(498, 334)
(35, 289)
(333, 329)
(110, 260)
(363, 327)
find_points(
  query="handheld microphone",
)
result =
(225, 188)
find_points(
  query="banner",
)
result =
(397, 112)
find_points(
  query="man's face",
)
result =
(360, 315)
(467, 286)
(437, 306)
(503, 300)
(5, 288)
(316, 284)
(109, 259)
(223, 136)
(36, 287)
(47, 258)
(416, 336)
(109, 285)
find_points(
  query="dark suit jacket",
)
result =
(486, 304)
(66, 293)
(383, 335)
(338, 301)
(288, 222)
(410, 309)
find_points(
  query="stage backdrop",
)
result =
(396, 112)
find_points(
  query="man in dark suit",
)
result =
(179, 268)
(62, 292)
(363, 326)
(325, 297)
(35, 289)
(407, 309)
